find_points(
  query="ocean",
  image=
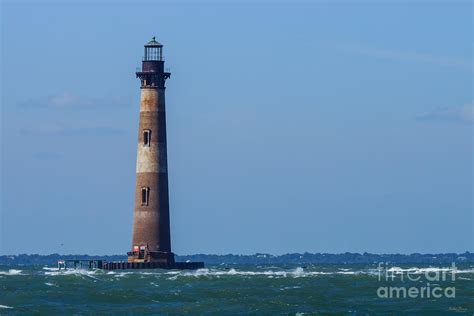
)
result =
(241, 289)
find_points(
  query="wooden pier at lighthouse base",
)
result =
(124, 265)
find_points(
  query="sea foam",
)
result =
(11, 272)
(50, 269)
(51, 284)
(6, 307)
(270, 272)
(75, 272)
(298, 272)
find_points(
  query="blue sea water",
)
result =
(237, 289)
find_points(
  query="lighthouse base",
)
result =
(123, 265)
(151, 260)
(146, 256)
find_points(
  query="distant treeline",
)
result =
(261, 258)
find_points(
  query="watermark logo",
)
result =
(416, 282)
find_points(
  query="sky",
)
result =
(293, 126)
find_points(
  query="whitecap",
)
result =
(289, 288)
(172, 272)
(295, 273)
(11, 272)
(121, 274)
(5, 306)
(50, 269)
(76, 272)
(298, 272)
(50, 284)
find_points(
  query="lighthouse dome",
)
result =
(153, 43)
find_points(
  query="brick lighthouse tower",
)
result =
(151, 242)
(151, 223)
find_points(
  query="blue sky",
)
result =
(292, 126)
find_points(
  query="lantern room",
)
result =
(153, 50)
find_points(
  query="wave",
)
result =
(50, 269)
(75, 272)
(51, 284)
(6, 307)
(174, 274)
(298, 272)
(290, 288)
(11, 272)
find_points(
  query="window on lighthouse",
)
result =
(145, 195)
(146, 137)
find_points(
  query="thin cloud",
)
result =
(69, 100)
(464, 114)
(413, 56)
(72, 131)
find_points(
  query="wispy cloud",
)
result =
(464, 114)
(412, 56)
(72, 131)
(69, 100)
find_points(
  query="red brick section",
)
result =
(151, 225)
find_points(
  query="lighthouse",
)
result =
(151, 236)
(151, 241)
